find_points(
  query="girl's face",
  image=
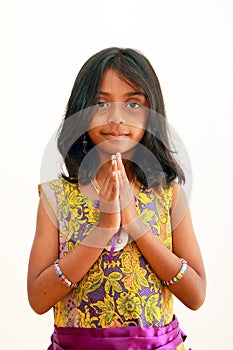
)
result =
(120, 117)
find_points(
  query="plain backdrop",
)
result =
(43, 46)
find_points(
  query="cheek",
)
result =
(138, 134)
(93, 124)
(142, 123)
(93, 134)
(138, 121)
(140, 128)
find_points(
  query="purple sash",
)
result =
(125, 338)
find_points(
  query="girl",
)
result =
(114, 238)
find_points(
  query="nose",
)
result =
(116, 114)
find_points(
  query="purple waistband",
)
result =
(125, 338)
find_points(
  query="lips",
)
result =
(115, 134)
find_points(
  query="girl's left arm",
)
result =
(185, 246)
(191, 288)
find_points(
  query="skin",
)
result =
(116, 137)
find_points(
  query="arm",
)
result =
(44, 287)
(166, 264)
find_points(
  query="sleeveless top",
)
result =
(125, 291)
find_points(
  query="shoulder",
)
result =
(165, 193)
(55, 193)
(180, 207)
(53, 184)
(175, 193)
(178, 196)
(172, 194)
(56, 186)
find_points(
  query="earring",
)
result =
(84, 144)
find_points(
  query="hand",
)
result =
(130, 220)
(109, 200)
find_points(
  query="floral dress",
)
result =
(125, 291)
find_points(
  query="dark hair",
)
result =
(133, 67)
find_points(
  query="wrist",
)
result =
(109, 207)
(136, 228)
(109, 221)
(99, 236)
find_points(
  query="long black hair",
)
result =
(153, 163)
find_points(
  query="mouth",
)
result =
(115, 135)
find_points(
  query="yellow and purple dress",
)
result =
(122, 293)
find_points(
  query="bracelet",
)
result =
(179, 275)
(61, 276)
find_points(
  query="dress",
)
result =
(121, 293)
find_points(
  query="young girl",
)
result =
(114, 238)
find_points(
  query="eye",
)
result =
(133, 105)
(102, 104)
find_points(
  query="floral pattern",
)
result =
(125, 292)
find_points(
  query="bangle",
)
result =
(61, 276)
(179, 275)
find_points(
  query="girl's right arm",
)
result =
(45, 288)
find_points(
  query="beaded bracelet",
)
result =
(179, 275)
(61, 276)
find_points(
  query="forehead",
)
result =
(114, 83)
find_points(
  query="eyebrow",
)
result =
(131, 93)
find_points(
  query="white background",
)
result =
(44, 44)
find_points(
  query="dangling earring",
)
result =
(84, 144)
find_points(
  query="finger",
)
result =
(105, 185)
(114, 183)
(109, 202)
(110, 188)
(119, 177)
(114, 163)
(114, 177)
(107, 180)
(120, 166)
(111, 184)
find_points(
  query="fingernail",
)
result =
(113, 156)
(119, 156)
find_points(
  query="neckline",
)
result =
(97, 187)
(93, 199)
